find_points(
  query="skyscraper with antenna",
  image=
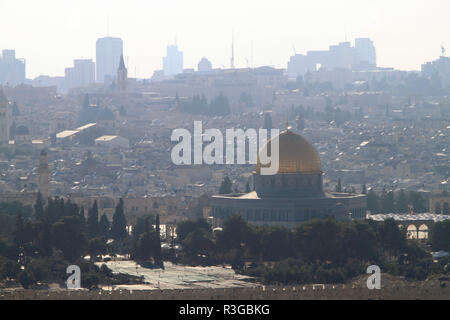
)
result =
(108, 53)
(173, 61)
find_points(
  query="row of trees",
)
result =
(396, 202)
(321, 250)
(62, 225)
(58, 234)
(219, 106)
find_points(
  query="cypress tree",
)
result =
(104, 226)
(39, 207)
(364, 189)
(119, 223)
(19, 232)
(247, 187)
(339, 186)
(158, 254)
(82, 219)
(92, 221)
(225, 187)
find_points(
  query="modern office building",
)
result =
(365, 52)
(12, 70)
(81, 75)
(173, 61)
(109, 51)
(362, 56)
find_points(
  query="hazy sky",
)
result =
(49, 34)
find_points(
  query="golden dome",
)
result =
(297, 155)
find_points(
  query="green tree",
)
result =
(146, 246)
(39, 207)
(401, 202)
(418, 201)
(15, 110)
(360, 241)
(104, 226)
(45, 240)
(235, 233)
(391, 237)
(67, 237)
(339, 186)
(142, 225)
(373, 202)
(119, 223)
(364, 189)
(440, 237)
(95, 247)
(276, 243)
(26, 279)
(82, 219)
(20, 235)
(226, 186)
(186, 227)
(11, 269)
(387, 202)
(92, 221)
(320, 240)
(158, 253)
(198, 242)
(267, 121)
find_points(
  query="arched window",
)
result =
(445, 208)
(437, 208)
(423, 232)
(411, 232)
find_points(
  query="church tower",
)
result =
(122, 75)
(5, 120)
(44, 175)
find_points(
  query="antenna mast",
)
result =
(232, 50)
(251, 55)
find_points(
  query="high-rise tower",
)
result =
(44, 175)
(122, 75)
(108, 54)
(173, 61)
(5, 119)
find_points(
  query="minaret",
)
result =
(122, 75)
(44, 175)
(5, 120)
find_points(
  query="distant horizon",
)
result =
(50, 34)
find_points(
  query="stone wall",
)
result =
(435, 291)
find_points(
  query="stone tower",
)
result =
(44, 175)
(122, 75)
(5, 119)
